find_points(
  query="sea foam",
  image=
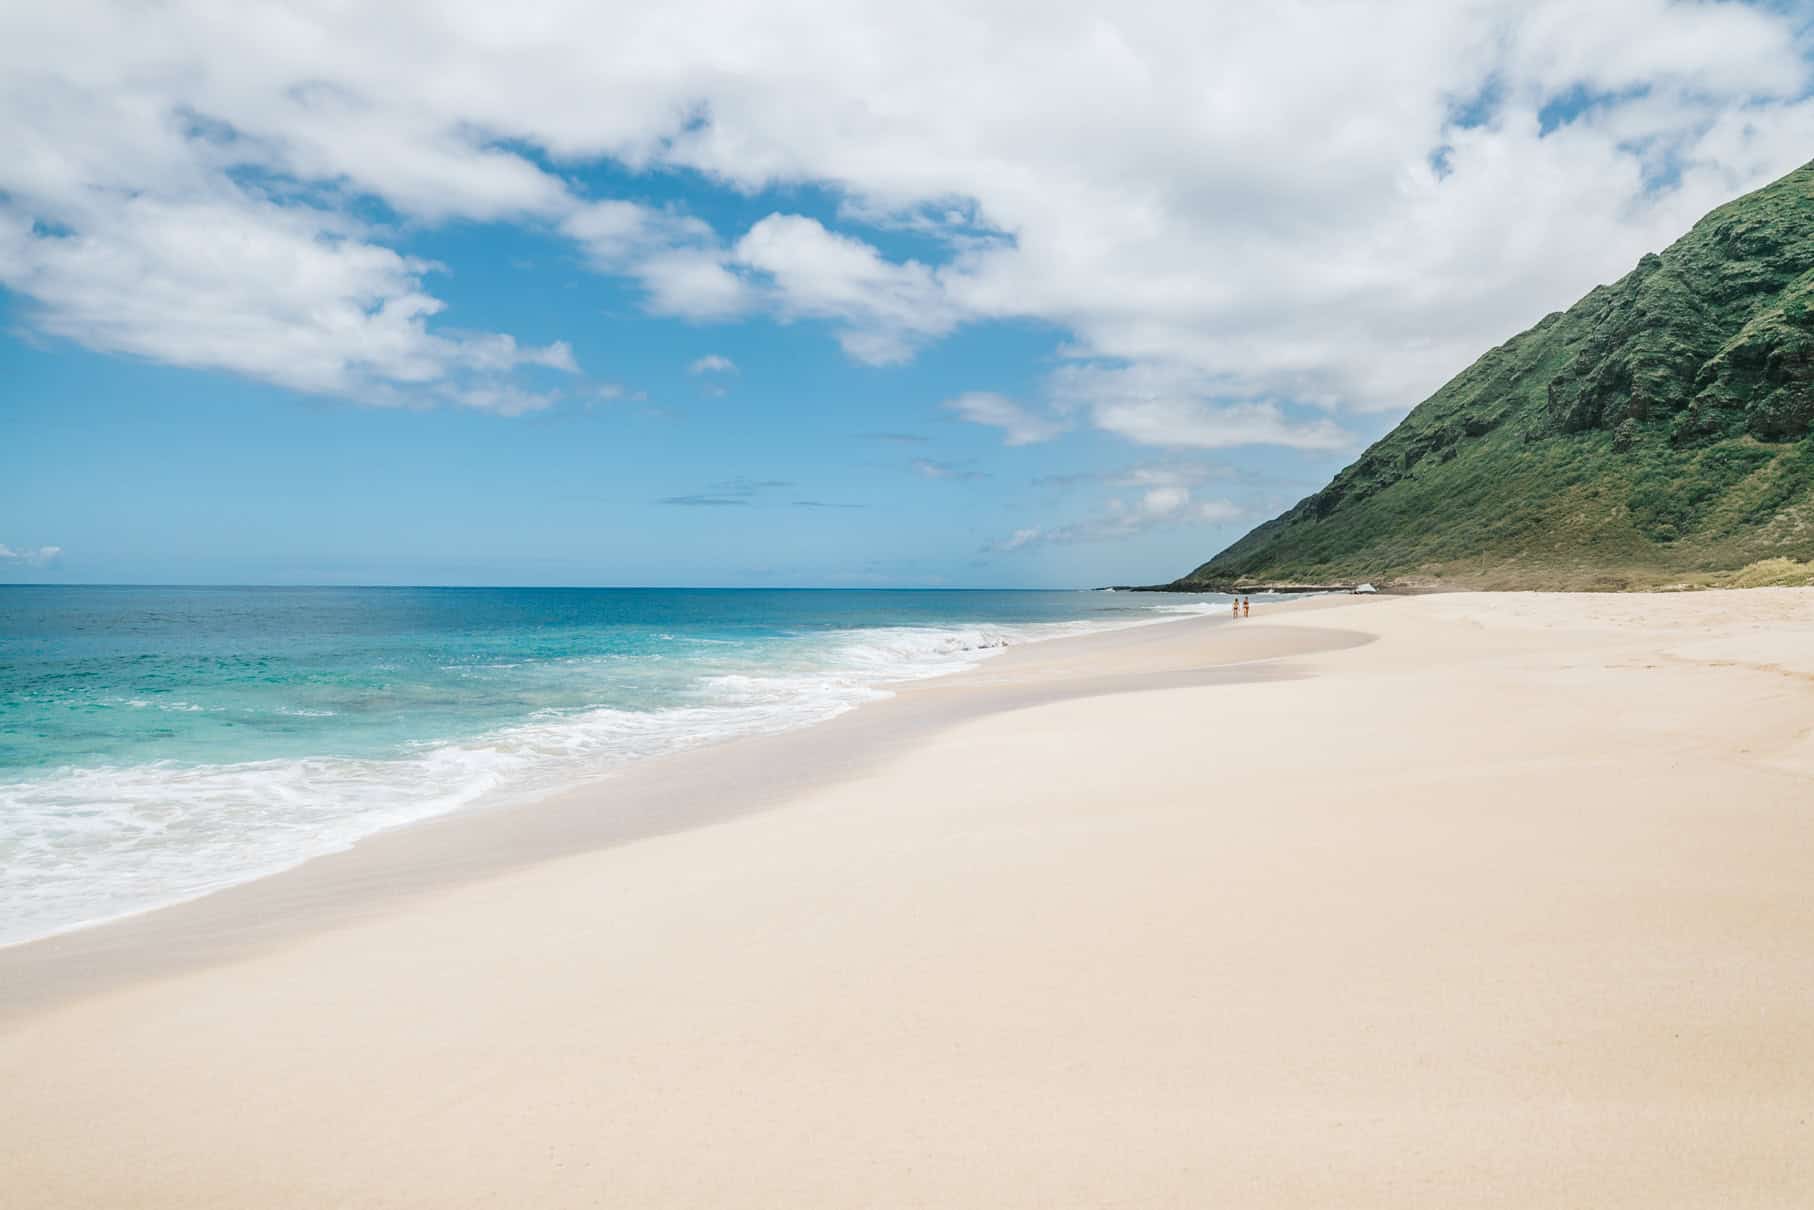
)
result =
(81, 845)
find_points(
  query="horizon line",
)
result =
(568, 587)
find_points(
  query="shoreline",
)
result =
(1475, 901)
(503, 760)
(646, 797)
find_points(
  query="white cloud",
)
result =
(289, 294)
(30, 556)
(693, 283)
(1163, 502)
(927, 468)
(1171, 474)
(1335, 205)
(1178, 475)
(713, 363)
(501, 398)
(1198, 424)
(886, 308)
(1016, 540)
(1019, 425)
(613, 392)
(1158, 404)
(617, 233)
(677, 259)
(1166, 496)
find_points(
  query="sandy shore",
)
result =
(1512, 905)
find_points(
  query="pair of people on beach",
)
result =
(1241, 606)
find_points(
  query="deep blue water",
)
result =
(156, 743)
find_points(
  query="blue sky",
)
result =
(834, 473)
(711, 303)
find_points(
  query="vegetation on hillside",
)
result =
(1660, 431)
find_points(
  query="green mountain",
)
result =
(1660, 431)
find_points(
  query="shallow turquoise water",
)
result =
(157, 743)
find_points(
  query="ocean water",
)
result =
(160, 743)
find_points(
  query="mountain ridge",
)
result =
(1658, 432)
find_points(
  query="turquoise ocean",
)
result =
(160, 743)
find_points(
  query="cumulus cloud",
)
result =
(1019, 425)
(1225, 213)
(289, 294)
(885, 309)
(713, 363)
(678, 259)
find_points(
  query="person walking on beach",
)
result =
(1235, 605)
(1246, 606)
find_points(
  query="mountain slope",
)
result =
(1657, 431)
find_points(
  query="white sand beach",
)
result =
(1494, 900)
